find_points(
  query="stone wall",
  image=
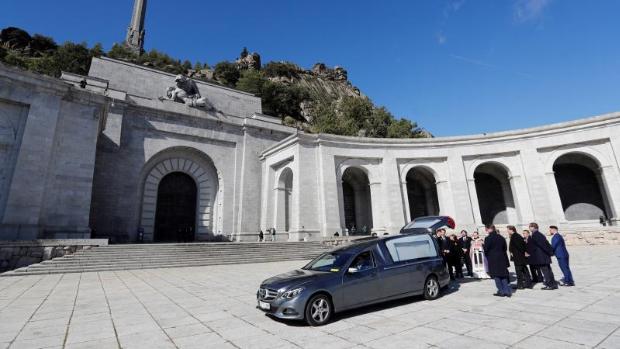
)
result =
(50, 131)
(17, 254)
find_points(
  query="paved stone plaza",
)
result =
(214, 307)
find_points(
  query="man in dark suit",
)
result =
(465, 244)
(561, 254)
(534, 271)
(444, 248)
(495, 252)
(540, 253)
(517, 250)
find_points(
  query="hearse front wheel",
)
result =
(431, 288)
(318, 310)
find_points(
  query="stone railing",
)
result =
(17, 254)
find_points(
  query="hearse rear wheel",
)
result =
(431, 288)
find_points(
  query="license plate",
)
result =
(264, 305)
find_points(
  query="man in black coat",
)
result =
(497, 259)
(518, 249)
(540, 252)
(534, 271)
(465, 244)
(444, 248)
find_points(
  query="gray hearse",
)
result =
(370, 271)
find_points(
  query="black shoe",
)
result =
(508, 295)
(520, 288)
(547, 288)
(497, 294)
(567, 284)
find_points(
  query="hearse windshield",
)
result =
(330, 262)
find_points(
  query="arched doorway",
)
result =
(175, 216)
(207, 181)
(422, 193)
(357, 201)
(495, 198)
(581, 188)
(284, 199)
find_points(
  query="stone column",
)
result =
(444, 198)
(522, 200)
(554, 198)
(394, 192)
(378, 221)
(609, 180)
(473, 198)
(405, 200)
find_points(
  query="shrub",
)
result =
(227, 73)
(281, 69)
(251, 81)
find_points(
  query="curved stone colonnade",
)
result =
(565, 174)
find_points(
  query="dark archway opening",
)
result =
(285, 192)
(175, 217)
(494, 193)
(357, 201)
(422, 193)
(580, 188)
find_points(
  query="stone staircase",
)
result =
(148, 256)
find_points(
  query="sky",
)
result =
(455, 67)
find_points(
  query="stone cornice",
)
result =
(439, 142)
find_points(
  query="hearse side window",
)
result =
(411, 247)
(363, 261)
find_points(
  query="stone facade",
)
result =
(522, 161)
(48, 141)
(92, 156)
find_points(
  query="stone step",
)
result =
(206, 252)
(213, 244)
(141, 256)
(109, 254)
(61, 263)
(111, 267)
(61, 268)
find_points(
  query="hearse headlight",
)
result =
(292, 293)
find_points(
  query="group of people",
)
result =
(271, 234)
(457, 251)
(531, 254)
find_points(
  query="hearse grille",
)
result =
(266, 294)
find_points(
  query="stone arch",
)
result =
(597, 156)
(581, 186)
(201, 169)
(494, 192)
(421, 187)
(360, 164)
(357, 201)
(284, 199)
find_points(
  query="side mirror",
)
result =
(352, 270)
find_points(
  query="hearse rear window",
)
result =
(411, 247)
(422, 223)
